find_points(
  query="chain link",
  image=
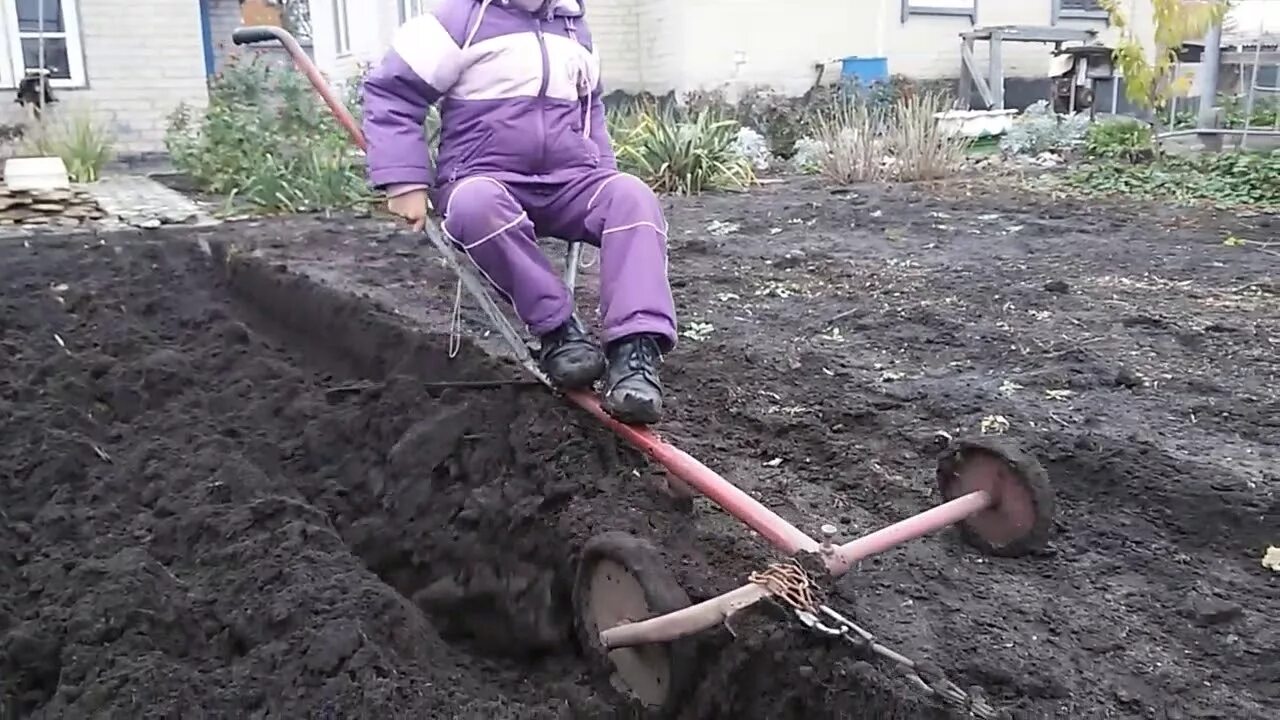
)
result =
(926, 677)
(790, 584)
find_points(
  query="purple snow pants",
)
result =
(496, 218)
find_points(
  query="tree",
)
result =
(1148, 71)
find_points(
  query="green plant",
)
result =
(1129, 140)
(265, 139)
(1039, 129)
(679, 152)
(1149, 71)
(1265, 113)
(782, 119)
(1224, 179)
(84, 145)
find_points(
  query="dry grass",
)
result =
(920, 148)
(849, 133)
(903, 142)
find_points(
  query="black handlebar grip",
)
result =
(254, 34)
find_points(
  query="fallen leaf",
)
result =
(1271, 559)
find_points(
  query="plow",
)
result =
(633, 619)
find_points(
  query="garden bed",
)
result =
(225, 486)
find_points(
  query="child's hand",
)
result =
(412, 205)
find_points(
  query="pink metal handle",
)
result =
(784, 536)
(710, 613)
(916, 526)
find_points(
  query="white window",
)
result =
(37, 31)
(962, 8)
(341, 28)
(1090, 9)
(412, 9)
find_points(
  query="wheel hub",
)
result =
(1013, 509)
(1020, 517)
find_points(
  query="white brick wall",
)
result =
(615, 27)
(665, 45)
(141, 60)
(736, 43)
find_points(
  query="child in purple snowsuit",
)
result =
(524, 152)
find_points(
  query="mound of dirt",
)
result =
(250, 504)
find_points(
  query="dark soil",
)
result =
(226, 491)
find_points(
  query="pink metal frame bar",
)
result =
(777, 530)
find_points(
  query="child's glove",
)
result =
(411, 203)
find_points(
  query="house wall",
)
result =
(680, 45)
(139, 66)
(749, 42)
(372, 23)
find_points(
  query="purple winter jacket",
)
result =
(519, 92)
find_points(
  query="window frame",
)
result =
(341, 28)
(924, 7)
(12, 37)
(404, 5)
(1061, 13)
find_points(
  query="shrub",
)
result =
(920, 147)
(84, 146)
(783, 120)
(679, 152)
(1265, 113)
(1225, 179)
(858, 141)
(1128, 139)
(847, 145)
(753, 146)
(267, 139)
(1039, 129)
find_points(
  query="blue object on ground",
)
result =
(864, 70)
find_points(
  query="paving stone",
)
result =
(139, 201)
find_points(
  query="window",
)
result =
(412, 9)
(341, 28)
(37, 31)
(1078, 9)
(961, 8)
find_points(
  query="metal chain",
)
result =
(926, 677)
(790, 584)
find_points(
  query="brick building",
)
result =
(128, 64)
(664, 45)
